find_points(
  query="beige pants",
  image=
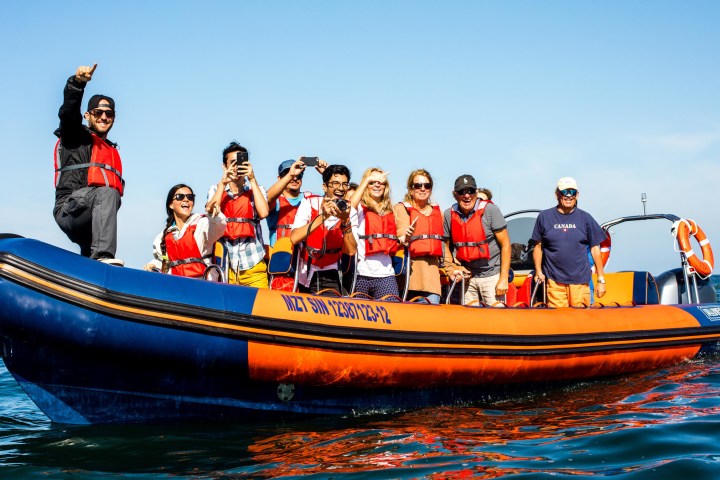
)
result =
(567, 295)
(482, 290)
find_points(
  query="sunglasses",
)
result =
(466, 191)
(418, 186)
(285, 172)
(98, 113)
(376, 183)
(182, 196)
(568, 192)
(338, 184)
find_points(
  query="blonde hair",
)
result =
(384, 205)
(411, 180)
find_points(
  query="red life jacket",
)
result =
(240, 213)
(104, 168)
(380, 232)
(469, 236)
(286, 216)
(184, 255)
(427, 239)
(333, 239)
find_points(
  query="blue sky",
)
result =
(621, 95)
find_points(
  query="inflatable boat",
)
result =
(96, 343)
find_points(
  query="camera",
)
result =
(242, 157)
(341, 203)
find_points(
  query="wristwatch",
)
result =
(601, 280)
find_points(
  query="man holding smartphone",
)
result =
(88, 171)
(284, 196)
(244, 202)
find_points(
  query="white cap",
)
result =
(567, 182)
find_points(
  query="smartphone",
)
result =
(310, 161)
(242, 157)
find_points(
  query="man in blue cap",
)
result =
(284, 197)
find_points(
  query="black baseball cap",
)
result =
(465, 181)
(95, 100)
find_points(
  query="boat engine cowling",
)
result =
(672, 288)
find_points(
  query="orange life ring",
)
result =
(605, 246)
(702, 266)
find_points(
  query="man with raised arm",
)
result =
(244, 203)
(88, 171)
(284, 197)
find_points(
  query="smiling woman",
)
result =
(184, 247)
(374, 228)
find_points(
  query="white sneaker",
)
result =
(112, 261)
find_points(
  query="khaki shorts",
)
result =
(482, 289)
(567, 295)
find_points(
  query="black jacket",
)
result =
(75, 142)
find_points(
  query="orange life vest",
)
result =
(240, 213)
(380, 232)
(468, 236)
(184, 255)
(333, 239)
(429, 234)
(104, 168)
(286, 216)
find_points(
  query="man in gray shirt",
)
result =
(477, 244)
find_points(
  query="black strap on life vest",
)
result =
(471, 244)
(426, 237)
(243, 220)
(377, 235)
(103, 166)
(185, 261)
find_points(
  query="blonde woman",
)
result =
(375, 231)
(420, 226)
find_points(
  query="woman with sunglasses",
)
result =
(375, 231)
(420, 226)
(185, 246)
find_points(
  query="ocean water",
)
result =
(662, 424)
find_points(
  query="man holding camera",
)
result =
(88, 171)
(244, 203)
(323, 225)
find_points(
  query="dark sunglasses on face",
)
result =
(336, 185)
(372, 184)
(568, 192)
(426, 186)
(285, 172)
(182, 196)
(98, 113)
(466, 191)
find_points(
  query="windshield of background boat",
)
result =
(520, 228)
